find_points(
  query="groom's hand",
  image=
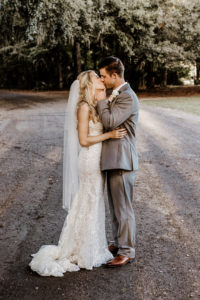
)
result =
(100, 94)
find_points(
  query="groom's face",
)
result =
(108, 80)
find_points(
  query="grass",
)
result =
(186, 104)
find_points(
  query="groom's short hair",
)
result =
(112, 65)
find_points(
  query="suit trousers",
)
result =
(120, 188)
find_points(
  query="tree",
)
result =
(51, 41)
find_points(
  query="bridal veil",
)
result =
(71, 148)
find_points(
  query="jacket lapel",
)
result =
(123, 88)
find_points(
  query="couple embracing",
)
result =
(99, 150)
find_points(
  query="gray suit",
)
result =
(120, 161)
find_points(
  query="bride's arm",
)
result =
(84, 139)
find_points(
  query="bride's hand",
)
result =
(118, 133)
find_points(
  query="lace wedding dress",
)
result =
(82, 242)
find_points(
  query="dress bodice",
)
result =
(90, 155)
(95, 128)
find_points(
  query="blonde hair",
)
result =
(87, 93)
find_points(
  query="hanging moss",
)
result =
(38, 38)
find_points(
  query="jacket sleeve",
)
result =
(122, 109)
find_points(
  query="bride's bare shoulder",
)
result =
(83, 106)
(83, 111)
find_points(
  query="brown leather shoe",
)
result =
(119, 261)
(113, 249)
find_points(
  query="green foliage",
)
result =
(37, 36)
(175, 74)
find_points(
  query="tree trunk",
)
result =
(85, 57)
(95, 63)
(197, 81)
(150, 75)
(60, 75)
(78, 57)
(94, 56)
(142, 82)
(164, 77)
(142, 75)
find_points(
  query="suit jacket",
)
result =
(121, 112)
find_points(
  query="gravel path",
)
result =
(166, 205)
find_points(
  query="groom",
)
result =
(119, 158)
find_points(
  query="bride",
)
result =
(82, 242)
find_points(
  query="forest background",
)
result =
(44, 44)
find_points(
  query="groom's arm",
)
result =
(121, 111)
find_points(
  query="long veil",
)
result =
(71, 148)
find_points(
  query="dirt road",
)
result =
(166, 205)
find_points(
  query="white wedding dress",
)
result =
(82, 242)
